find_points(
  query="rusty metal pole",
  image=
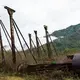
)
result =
(2, 51)
(10, 12)
(37, 44)
(47, 43)
(30, 41)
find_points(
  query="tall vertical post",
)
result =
(2, 51)
(47, 43)
(10, 12)
(37, 44)
(30, 41)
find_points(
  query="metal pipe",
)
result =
(37, 44)
(30, 41)
(10, 12)
(47, 43)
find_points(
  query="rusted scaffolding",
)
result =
(29, 68)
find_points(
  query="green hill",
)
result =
(68, 38)
(67, 32)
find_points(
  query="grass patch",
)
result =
(54, 75)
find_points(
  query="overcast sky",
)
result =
(31, 15)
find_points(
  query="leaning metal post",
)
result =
(37, 43)
(10, 12)
(47, 43)
(30, 41)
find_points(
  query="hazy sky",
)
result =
(31, 15)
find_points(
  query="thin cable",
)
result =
(5, 31)
(19, 40)
(52, 44)
(33, 43)
(24, 40)
(41, 45)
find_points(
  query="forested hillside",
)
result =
(67, 39)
